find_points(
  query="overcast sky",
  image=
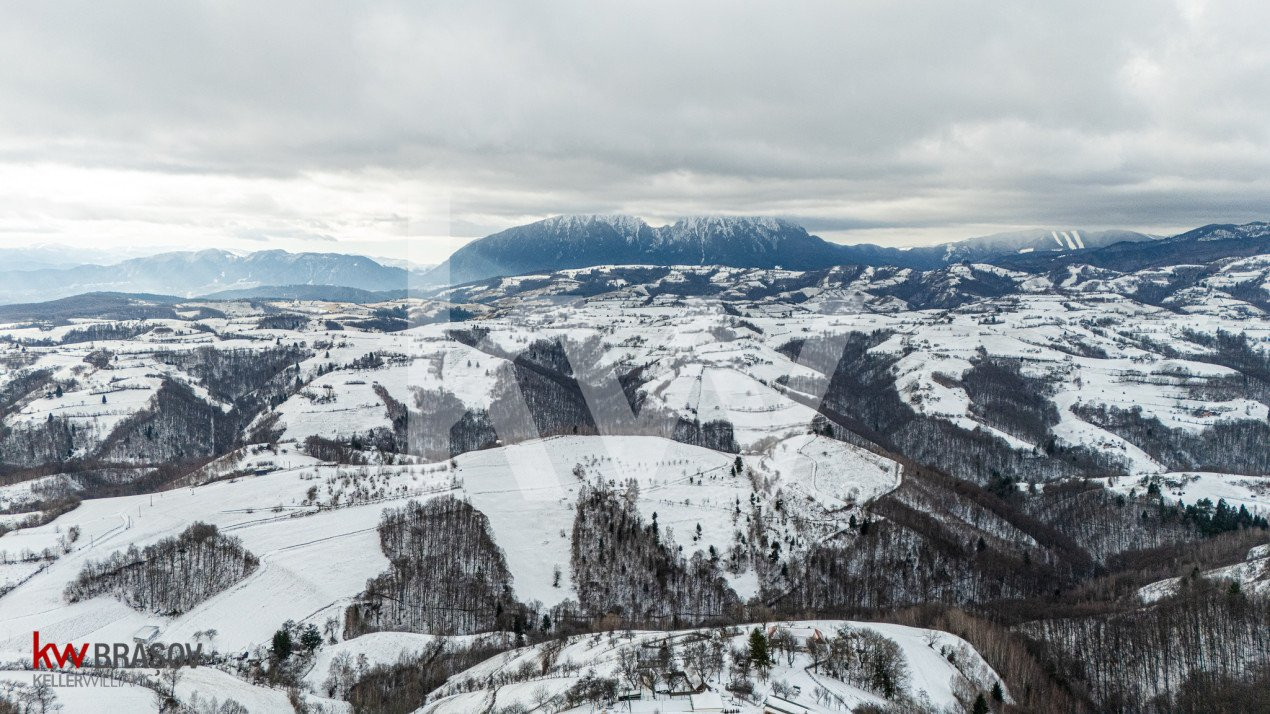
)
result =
(405, 129)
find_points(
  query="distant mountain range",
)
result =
(202, 273)
(582, 241)
(320, 293)
(36, 256)
(566, 242)
(1200, 245)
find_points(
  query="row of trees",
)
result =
(623, 565)
(863, 658)
(1105, 523)
(1143, 659)
(170, 576)
(1240, 446)
(403, 686)
(446, 574)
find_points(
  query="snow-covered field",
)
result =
(309, 564)
(1237, 490)
(314, 561)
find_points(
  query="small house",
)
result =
(146, 635)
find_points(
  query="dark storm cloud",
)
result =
(848, 115)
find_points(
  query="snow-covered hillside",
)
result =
(633, 447)
(701, 664)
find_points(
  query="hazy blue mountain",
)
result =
(52, 255)
(200, 273)
(327, 293)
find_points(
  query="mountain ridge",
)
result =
(579, 241)
(587, 240)
(195, 273)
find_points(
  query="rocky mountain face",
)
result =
(584, 241)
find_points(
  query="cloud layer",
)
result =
(388, 125)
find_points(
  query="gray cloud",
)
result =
(939, 117)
